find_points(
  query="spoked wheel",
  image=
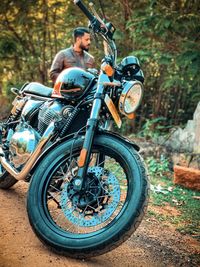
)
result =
(103, 214)
(93, 207)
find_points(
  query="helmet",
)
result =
(73, 83)
(130, 65)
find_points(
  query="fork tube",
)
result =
(92, 122)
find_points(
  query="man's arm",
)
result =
(92, 62)
(89, 60)
(57, 66)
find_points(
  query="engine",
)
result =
(53, 111)
(22, 143)
(24, 139)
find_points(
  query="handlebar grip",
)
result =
(84, 9)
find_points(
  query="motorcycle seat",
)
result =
(38, 89)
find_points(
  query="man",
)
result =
(75, 56)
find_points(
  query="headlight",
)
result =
(131, 97)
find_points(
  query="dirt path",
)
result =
(152, 245)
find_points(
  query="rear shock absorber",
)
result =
(7, 127)
(17, 109)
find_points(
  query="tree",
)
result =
(165, 35)
(168, 43)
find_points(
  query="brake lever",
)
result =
(94, 35)
(102, 24)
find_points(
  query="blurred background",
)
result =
(164, 35)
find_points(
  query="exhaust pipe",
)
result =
(29, 164)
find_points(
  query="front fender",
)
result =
(122, 138)
(125, 140)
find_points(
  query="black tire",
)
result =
(129, 214)
(7, 180)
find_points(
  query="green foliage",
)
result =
(183, 201)
(164, 35)
(158, 168)
(166, 39)
(154, 128)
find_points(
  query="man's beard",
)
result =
(84, 48)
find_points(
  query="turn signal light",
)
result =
(82, 158)
(107, 69)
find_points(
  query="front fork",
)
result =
(92, 123)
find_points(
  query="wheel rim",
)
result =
(95, 208)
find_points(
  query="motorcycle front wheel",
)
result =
(104, 213)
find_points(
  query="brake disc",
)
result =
(96, 215)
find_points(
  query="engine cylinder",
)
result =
(50, 111)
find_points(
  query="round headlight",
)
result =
(131, 97)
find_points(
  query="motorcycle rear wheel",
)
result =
(7, 180)
(100, 218)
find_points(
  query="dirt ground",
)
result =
(153, 244)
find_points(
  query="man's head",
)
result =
(82, 38)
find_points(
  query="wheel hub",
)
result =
(96, 202)
(87, 197)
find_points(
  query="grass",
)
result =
(170, 203)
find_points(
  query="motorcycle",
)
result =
(89, 186)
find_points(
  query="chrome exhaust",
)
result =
(29, 164)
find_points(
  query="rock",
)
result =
(187, 177)
(180, 159)
(186, 140)
(150, 149)
(196, 147)
(189, 160)
(183, 145)
(181, 140)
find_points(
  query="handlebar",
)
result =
(84, 9)
(105, 30)
(96, 22)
